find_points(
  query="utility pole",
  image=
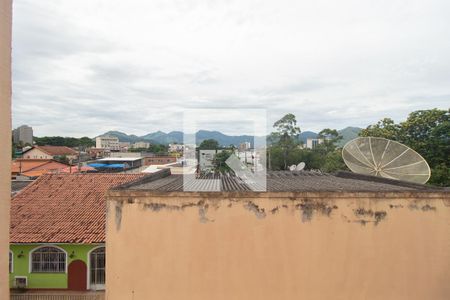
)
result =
(79, 158)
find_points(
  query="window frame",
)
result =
(11, 261)
(91, 286)
(30, 260)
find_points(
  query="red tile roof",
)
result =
(63, 208)
(23, 165)
(56, 150)
(42, 165)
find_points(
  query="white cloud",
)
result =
(84, 67)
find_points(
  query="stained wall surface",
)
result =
(5, 138)
(285, 246)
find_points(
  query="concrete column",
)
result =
(5, 141)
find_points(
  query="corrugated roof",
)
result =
(282, 181)
(63, 208)
(119, 159)
(18, 185)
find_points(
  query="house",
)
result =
(50, 152)
(124, 146)
(95, 153)
(35, 167)
(312, 143)
(57, 231)
(176, 147)
(308, 236)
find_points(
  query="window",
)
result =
(97, 267)
(11, 257)
(48, 260)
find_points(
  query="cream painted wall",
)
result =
(37, 154)
(5, 140)
(387, 246)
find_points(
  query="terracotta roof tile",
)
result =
(56, 150)
(36, 167)
(23, 165)
(63, 208)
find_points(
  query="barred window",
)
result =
(11, 256)
(48, 260)
(97, 261)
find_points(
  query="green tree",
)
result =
(425, 131)
(154, 148)
(333, 162)
(385, 128)
(64, 141)
(209, 144)
(285, 136)
(330, 139)
(86, 142)
(219, 161)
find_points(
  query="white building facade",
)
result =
(313, 143)
(23, 135)
(107, 142)
(141, 145)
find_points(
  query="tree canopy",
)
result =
(285, 136)
(219, 161)
(425, 131)
(64, 141)
(209, 144)
(285, 148)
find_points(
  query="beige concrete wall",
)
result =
(5, 141)
(37, 154)
(286, 246)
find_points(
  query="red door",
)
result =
(77, 276)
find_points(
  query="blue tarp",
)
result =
(115, 166)
(97, 165)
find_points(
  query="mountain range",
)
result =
(160, 137)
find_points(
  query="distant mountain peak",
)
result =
(161, 137)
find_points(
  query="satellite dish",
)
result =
(293, 167)
(385, 158)
(300, 166)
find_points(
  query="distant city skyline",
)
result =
(82, 68)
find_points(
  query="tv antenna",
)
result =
(385, 158)
(300, 166)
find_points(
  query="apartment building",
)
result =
(107, 142)
(23, 135)
(141, 145)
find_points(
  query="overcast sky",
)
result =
(83, 67)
